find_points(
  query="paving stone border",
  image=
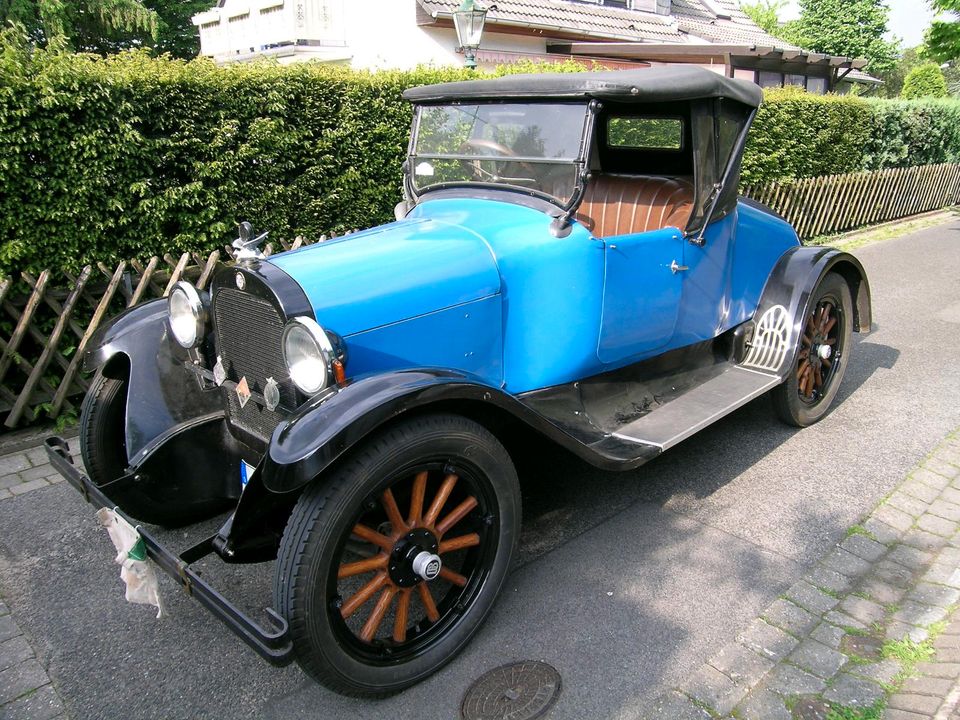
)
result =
(869, 632)
(27, 470)
(26, 692)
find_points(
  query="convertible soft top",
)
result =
(656, 84)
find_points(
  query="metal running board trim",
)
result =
(701, 406)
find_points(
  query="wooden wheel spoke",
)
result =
(829, 341)
(401, 616)
(370, 627)
(826, 362)
(377, 562)
(806, 340)
(458, 543)
(804, 364)
(456, 515)
(452, 577)
(363, 594)
(824, 315)
(812, 324)
(829, 326)
(393, 512)
(428, 604)
(416, 499)
(372, 536)
(440, 500)
(817, 377)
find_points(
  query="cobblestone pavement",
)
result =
(872, 631)
(26, 692)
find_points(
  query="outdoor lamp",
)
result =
(469, 19)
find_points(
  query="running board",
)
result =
(700, 406)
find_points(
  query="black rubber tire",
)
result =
(102, 434)
(328, 507)
(790, 408)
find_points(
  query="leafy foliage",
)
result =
(924, 81)
(765, 13)
(85, 25)
(943, 37)
(854, 28)
(129, 156)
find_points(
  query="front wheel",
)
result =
(822, 357)
(388, 567)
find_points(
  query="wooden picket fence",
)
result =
(47, 321)
(835, 203)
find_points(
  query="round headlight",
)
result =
(187, 314)
(308, 353)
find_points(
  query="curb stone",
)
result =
(871, 631)
(25, 687)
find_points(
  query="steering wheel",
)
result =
(479, 172)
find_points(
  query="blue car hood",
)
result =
(392, 273)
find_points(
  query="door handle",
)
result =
(674, 268)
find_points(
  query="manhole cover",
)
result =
(521, 691)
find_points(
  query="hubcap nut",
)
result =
(825, 351)
(427, 565)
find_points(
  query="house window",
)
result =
(798, 80)
(767, 79)
(616, 3)
(817, 85)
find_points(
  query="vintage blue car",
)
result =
(571, 261)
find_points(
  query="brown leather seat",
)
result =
(625, 204)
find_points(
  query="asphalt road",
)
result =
(626, 583)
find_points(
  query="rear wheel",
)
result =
(806, 395)
(388, 568)
(102, 432)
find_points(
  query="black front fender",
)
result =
(329, 425)
(161, 393)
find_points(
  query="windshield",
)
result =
(536, 147)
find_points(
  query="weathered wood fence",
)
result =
(835, 203)
(47, 320)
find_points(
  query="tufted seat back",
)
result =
(623, 204)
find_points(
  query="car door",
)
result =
(642, 292)
(704, 311)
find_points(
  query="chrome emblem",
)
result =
(243, 392)
(241, 281)
(432, 570)
(271, 394)
(219, 374)
(427, 565)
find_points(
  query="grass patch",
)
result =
(832, 593)
(908, 653)
(841, 712)
(860, 530)
(887, 231)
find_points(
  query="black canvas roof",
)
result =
(655, 84)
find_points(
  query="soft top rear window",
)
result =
(645, 133)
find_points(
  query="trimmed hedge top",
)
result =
(130, 156)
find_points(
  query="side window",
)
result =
(645, 133)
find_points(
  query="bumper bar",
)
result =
(273, 646)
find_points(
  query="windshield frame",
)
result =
(579, 163)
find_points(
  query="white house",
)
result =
(401, 34)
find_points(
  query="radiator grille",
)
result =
(248, 334)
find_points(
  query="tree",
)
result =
(87, 25)
(925, 81)
(943, 37)
(894, 79)
(854, 28)
(108, 26)
(765, 13)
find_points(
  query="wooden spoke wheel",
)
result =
(806, 395)
(388, 567)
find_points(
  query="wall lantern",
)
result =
(469, 19)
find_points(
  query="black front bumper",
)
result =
(274, 646)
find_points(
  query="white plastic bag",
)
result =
(135, 571)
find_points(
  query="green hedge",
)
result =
(129, 156)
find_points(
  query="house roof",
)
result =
(657, 84)
(713, 20)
